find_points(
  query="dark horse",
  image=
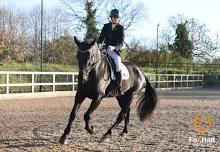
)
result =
(95, 83)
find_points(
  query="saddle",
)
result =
(112, 68)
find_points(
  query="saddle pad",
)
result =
(124, 72)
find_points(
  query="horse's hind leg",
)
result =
(93, 106)
(124, 103)
(125, 130)
(78, 100)
(120, 117)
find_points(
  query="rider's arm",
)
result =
(102, 35)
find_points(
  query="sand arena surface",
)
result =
(36, 125)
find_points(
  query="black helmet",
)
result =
(115, 13)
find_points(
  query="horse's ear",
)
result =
(76, 41)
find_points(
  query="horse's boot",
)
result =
(119, 82)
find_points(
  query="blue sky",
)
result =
(29, 3)
(206, 11)
(159, 11)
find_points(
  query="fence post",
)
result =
(7, 83)
(73, 81)
(32, 81)
(54, 81)
(193, 80)
(158, 81)
(187, 80)
(203, 81)
(181, 81)
(20, 78)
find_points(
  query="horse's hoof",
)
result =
(90, 129)
(104, 138)
(63, 141)
(123, 134)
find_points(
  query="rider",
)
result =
(112, 35)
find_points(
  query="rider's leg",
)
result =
(119, 82)
(117, 60)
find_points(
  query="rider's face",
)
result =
(115, 20)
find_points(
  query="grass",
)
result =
(74, 68)
(36, 67)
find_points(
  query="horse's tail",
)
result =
(147, 102)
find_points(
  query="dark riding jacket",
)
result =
(113, 37)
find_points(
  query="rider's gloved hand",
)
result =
(100, 46)
(111, 48)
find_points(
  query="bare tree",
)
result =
(133, 12)
(33, 22)
(13, 43)
(204, 46)
(54, 23)
(76, 14)
(53, 28)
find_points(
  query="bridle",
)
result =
(89, 68)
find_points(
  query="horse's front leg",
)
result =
(92, 107)
(78, 100)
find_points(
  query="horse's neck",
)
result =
(102, 66)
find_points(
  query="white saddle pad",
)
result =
(124, 72)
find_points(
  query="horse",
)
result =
(94, 82)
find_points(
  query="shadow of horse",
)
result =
(24, 143)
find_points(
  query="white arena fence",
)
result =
(12, 82)
(176, 81)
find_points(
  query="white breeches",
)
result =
(117, 60)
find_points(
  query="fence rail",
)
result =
(30, 82)
(179, 65)
(176, 80)
(49, 80)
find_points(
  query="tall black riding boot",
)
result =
(119, 82)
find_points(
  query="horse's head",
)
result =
(87, 55)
